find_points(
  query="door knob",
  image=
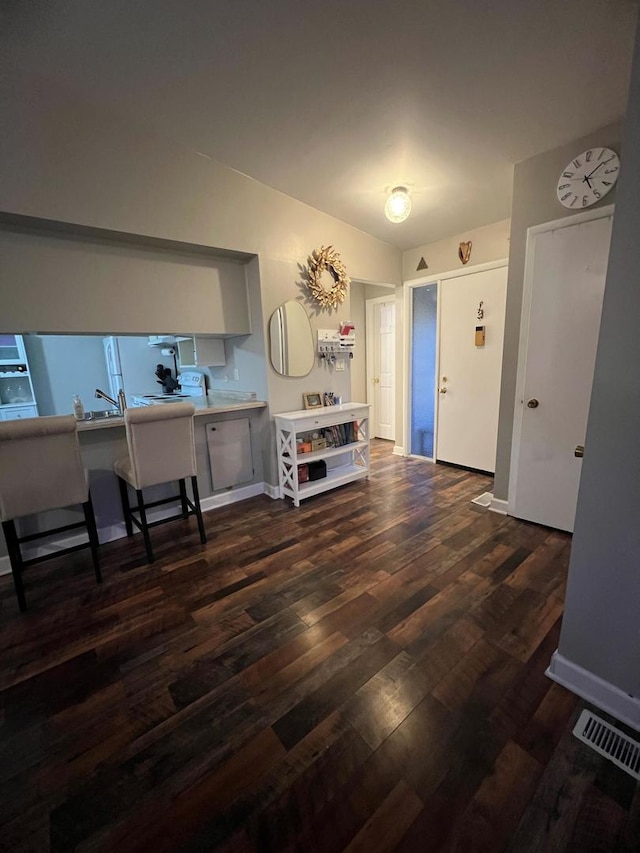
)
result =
(579, 451)
(442, 390)
(376, 380)
(533, 403)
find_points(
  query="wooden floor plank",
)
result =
(495, 810)
(364, 672)
(388, 823)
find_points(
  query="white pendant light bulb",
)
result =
(398, 205)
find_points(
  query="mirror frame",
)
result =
(291, 346)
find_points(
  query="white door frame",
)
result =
(523, 346)
(369, 343)
(408, 315)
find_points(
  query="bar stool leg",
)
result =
(126, 509)
(183, 497)
(15, 558)
(92, 530)
(145, 528)
(196, 502)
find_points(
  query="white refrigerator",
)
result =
(131, 365)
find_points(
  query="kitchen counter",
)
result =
(102, 442)
(210, 406)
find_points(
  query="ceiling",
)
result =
(335, 102)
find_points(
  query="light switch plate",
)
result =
(339, 364)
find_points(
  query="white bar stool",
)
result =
(161, 449)
(41, 469)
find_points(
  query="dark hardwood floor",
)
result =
(365, 673)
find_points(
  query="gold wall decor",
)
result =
(326, 258)
(464, 252)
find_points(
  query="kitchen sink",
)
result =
(101, 415)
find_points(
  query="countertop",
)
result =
(210, 406)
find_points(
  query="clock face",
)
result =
(588, 178)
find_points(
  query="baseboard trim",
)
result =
(398, 451)
(272, 491)
(118, 531)
(596, 690)
(499, 506)
(232, 496)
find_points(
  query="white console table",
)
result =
(345, 463)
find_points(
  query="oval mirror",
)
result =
(292, 351)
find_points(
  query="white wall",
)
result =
(65, 160)
(534, 202)
(490, 243)
(64, 365)
(601, 625)
(104, 284)
(247, 352)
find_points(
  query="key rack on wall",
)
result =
(334, 344)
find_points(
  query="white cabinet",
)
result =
(16, 390)
(344, 428)
(201, 352)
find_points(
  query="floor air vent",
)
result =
(610, 742)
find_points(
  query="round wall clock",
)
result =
(588, 177)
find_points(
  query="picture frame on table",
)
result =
(312, 400)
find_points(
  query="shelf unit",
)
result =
(16, 391)
(345, 463)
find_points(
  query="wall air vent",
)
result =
(610, 742)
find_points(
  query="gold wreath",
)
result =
(325, 258)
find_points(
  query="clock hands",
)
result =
(586, 179)
(593, 170)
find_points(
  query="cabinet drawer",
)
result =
(14, 414)
(308, 424)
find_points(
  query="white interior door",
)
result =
(564, 289)
(469, 375)
(383, 368)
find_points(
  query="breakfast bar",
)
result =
(240, 425)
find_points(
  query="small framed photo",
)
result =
(329, 398)
(312, 400)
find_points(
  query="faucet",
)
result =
(120, 404)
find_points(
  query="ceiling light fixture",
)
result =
(398, 205)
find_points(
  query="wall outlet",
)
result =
(236, 374)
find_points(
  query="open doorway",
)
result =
(381, 373)
(373, 309)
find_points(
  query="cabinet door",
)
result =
(201, 352)
(230, 457)
(12, 349)
(209, 352)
